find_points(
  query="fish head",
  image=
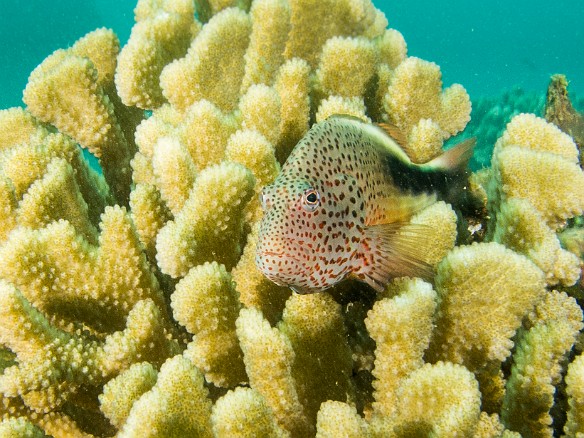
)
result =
(310, 232)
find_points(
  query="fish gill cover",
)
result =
(130, 302)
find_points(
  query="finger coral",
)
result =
(130, 302)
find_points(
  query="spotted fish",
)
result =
(339, 202)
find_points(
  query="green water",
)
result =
(485, 46)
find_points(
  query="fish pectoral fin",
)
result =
(397, 209)
(390, 251)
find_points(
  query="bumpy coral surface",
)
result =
(130, 304)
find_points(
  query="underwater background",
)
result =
(487, 47)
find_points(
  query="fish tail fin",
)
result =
(455, 159)
(450, 174)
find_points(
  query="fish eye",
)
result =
(310, 199)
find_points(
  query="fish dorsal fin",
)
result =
(391, 251)
(456, 158)
(381, 135)
(394, 132)
(395, 209)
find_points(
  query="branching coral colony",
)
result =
(129, 299)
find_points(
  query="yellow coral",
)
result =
(336, 419)
(97, 285)
(27, 161)
(555, 323)
(255, 290)
(268, 356)
(537, 162)
(204, 132)
(313, 24)
(521, 227)
(19, 427)
(415, 93)
(174, 171)
(161, 34)
(162, 123)
(210, 225)
(176, 406)
(213, 67)
(83, 309)
(424, 141)
(292, 84)
(401, 328)
(392, 48)
(8, 210)
(439, 399)
(244, 413)
(260, 111)
(438, 222)
(352, 106)
(346, 66)
(535, 372)
(56, 196)
(575, 391)
(484, 291)
(535, 133)
(79, 106)
(252, 150)
(120, 393)
(149, 214)
(314, 326)
(552, 184)
(16, 126)
(205, 302)
(270, 27)
(46, 376)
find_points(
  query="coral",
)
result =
(265, 52)
(120, 393)
(209, 224)
(208, 290)
(130, 303)
(451, 401)
(414, 96)
(401, 327)
(535, 161)
(213, 67)
(560, 112)
(535, 371)
(176, 405)
(19, 427)
(268, 356)
(484, 332)
(575, 391)
(78, 80)
(243, 412)
(162, 33)
(339, 419)
(520, 227)
(53, 365)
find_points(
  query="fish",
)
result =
(336, 208)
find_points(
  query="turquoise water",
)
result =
(485, 46)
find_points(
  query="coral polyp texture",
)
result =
(130, 303)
